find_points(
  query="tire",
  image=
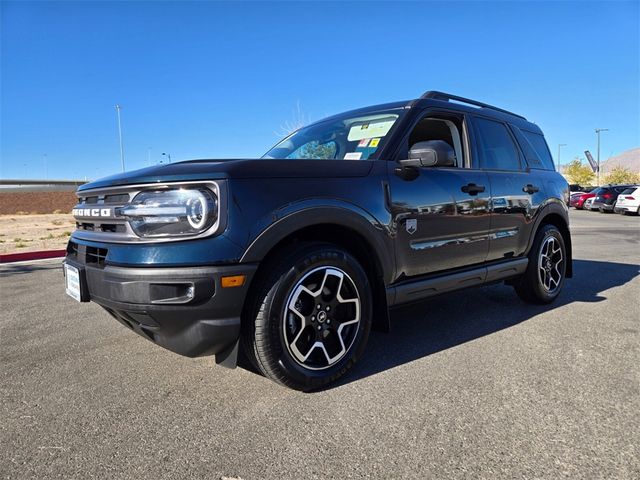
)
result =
(309, 316)
(542, 281)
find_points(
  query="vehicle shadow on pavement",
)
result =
(9, 269)
(443, 322)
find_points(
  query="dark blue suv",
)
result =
(292, 258)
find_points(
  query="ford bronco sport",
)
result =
(292, 259)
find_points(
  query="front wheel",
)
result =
(544, 277)
(310, 318)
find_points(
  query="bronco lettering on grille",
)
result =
(91, 212)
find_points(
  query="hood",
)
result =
(240, 168)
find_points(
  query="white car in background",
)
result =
(587, 203)
(628, 201)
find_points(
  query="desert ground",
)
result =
(28, 233)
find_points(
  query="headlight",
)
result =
(166, 213)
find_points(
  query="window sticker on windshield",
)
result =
(363, 143)
(353, 156)
(372, 128)
(374, 142)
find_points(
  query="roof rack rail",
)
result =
(434, 95)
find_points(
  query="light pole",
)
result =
(559, 146)
(168, 155)
(598, 130)
(117, 106)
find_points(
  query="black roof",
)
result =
(450, 102)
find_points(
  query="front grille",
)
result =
(116, 198)
(107, 199)
(85, 226)
(96, 256)
(72, 249)
(113, 228)
(87, 255)
(104, 228)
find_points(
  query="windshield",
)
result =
(340, 138)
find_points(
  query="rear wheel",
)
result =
(310, 318)
(544, 277)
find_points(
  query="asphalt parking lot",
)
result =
(471, 384)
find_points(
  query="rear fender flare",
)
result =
(554, 206)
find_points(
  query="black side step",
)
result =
(429, 287)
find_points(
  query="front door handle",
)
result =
(528, 188)
(472, 189)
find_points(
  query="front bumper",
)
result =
(183, 309)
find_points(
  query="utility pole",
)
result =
(118, 107)
(46, 170)
(560, 145)
(598, 130)
(168, 155)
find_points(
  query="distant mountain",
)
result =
(629, 159)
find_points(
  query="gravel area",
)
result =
(28, 233)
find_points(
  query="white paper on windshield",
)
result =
(370, 129)
(353, 156)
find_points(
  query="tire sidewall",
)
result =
(277, 301)
(545, 233)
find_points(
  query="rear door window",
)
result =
(496, 147)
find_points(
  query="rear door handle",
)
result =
(528, 188)
(472, 189)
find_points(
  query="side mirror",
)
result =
(432, 153)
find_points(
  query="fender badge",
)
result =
(412, 225)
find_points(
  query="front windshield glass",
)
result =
(340, 138)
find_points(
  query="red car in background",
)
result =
(577, 200)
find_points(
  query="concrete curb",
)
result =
(26, 256)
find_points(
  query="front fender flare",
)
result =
(343, 214)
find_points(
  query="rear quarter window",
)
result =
(535, 149)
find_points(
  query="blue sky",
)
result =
(219, 79)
